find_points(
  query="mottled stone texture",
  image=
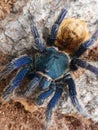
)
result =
(16, 39)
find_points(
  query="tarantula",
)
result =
(50, 70)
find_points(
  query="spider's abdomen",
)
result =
(53, 63)
(72, 33)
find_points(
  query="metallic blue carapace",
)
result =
(53, 63)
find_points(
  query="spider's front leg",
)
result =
(15, 64)
(15, 83)
(52, 37)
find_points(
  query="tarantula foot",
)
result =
(95, 35)
(48, 119)
(40, 101)
(7, 70)
(7, 93)
(76, 104)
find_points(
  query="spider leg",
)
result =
(15, 64)
(52, 37)
(72, 94)
(45, 95)
(44, 84)
(86, 44)
(39, 44)
(53, 102)
(85, 65)
(32, 86)
(15, 83)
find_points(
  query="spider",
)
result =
(50, 70)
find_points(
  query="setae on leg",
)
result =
(15, 83)
(32, 85)
(86, 44)
(52, 37)
(39, 44)
(15, 64)
(53, 102)
(44, 95)
(73, 96)
(85, 65)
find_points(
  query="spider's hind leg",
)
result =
(53, 102)
(86, 44)
(45, 95)
(15, 83)
(73, 96)
(52, 37)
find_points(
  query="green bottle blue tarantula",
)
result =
(50, 71)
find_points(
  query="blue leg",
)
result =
(44, 84)
(53, 102)
(86, 44)
(85, 65)
(15, 83)
(31, 75)
(72, 94)
(32, 86)
(73, 66)
(39, 44)
(15, 64)
(45, 95)
(51, 39)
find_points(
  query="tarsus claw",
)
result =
(48, 119)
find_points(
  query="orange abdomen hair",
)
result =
(71, 34)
